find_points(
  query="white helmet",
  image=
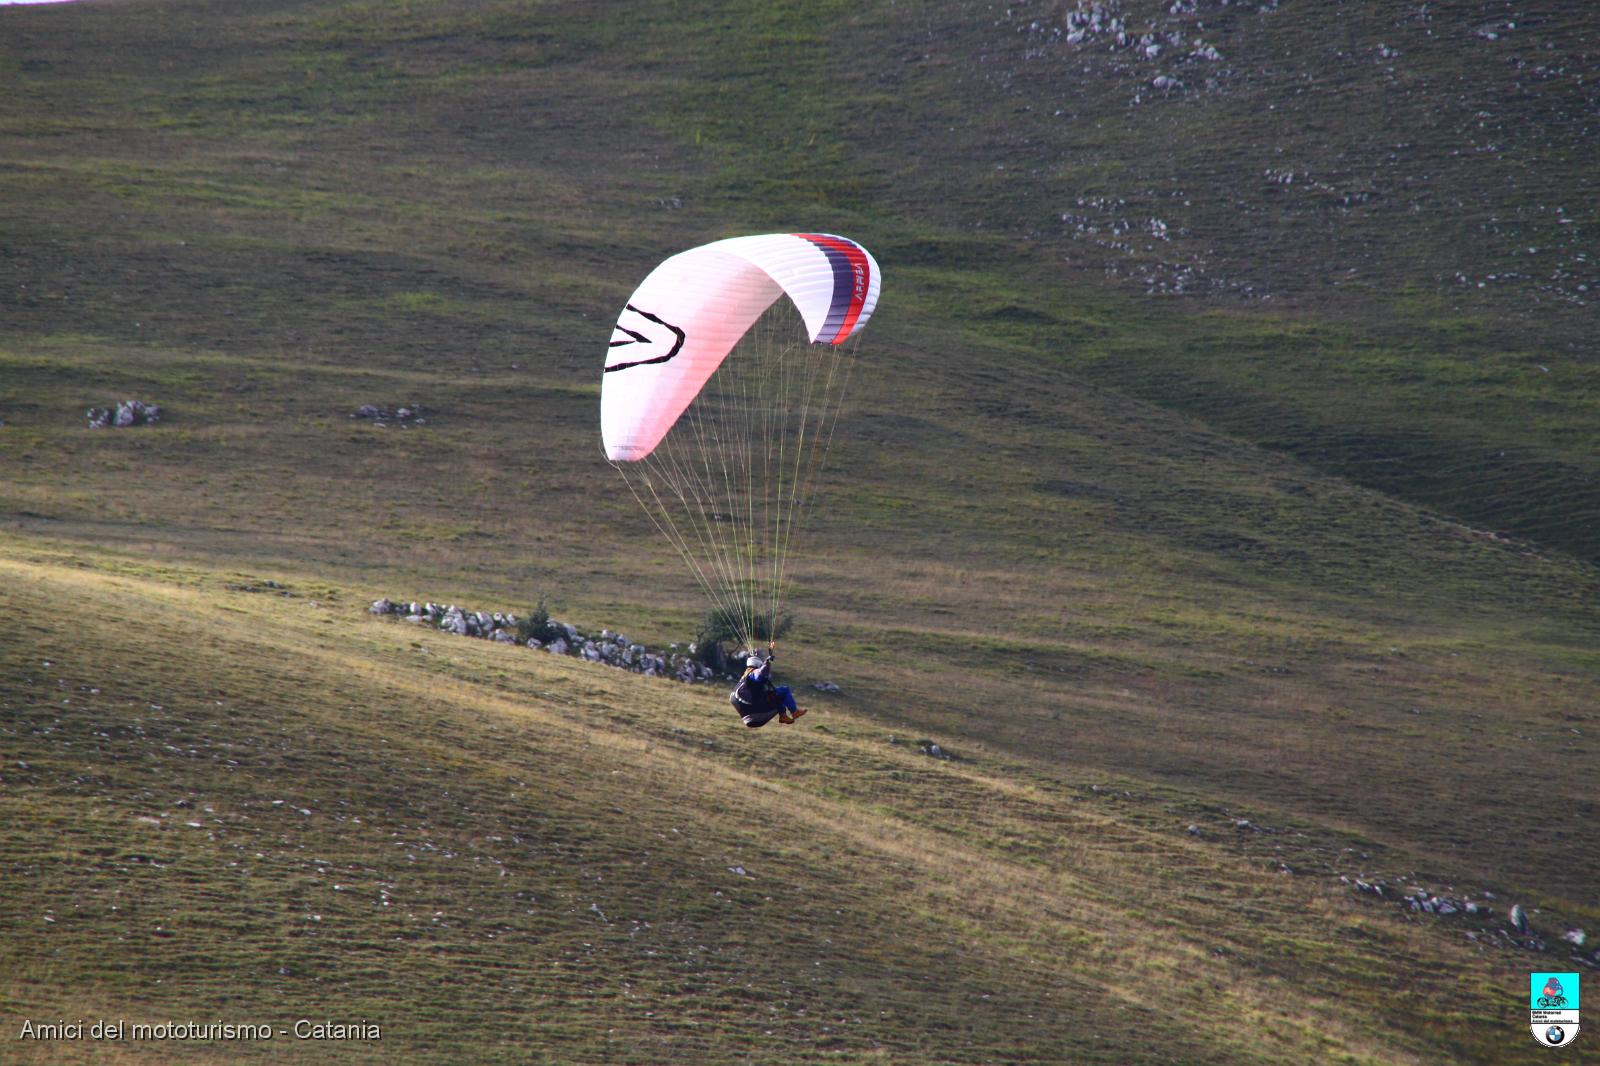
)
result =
(754, 660)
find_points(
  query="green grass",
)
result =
(1323, 561)
(416, 829)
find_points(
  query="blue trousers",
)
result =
(783, 700)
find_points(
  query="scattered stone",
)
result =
(1193, 830)
(124, 414)
(1575, 937)
(825, 686)
(933, 750)
(411, 414)
(1518, 918)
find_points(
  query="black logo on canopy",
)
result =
(646, 335)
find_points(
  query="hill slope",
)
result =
(1054, 541)
(497, 856)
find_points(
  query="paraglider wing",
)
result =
(689, 313)
(718, 414)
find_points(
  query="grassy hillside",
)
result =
(1307, 550)
(1430, 269)
(494, 855)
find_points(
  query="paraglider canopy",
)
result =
(690, 312)
(718, 413)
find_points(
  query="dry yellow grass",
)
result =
(1084, 914)
(1126, 555)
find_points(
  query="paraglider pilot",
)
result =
(757, 699)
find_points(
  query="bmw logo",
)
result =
(1554, 1035)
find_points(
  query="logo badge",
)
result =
(1553, 1008)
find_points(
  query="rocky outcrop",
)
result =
(681, 663)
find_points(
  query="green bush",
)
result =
(721, 626)
(535, 625)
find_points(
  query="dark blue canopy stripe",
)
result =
(843, 285)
